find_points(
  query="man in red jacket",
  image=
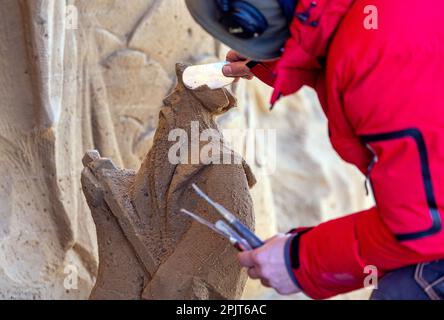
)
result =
(378, 69)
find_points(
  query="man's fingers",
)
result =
(253, 273)
(246, 259)
(237, 69)
(265, 283)
(233, 56)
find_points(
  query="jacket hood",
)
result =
(305, 51)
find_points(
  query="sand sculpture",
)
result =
(68, 86)
(147, 249)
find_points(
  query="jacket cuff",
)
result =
(264, 71)
(299, 230)
(288, 258)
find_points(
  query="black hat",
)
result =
(265, 46)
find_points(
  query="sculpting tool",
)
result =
(222, 229)
(252, 239)
(209, 75)
(203, 221)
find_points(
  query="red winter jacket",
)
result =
(383, 93)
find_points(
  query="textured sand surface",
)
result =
(147, 249)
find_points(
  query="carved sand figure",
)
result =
(147, 248)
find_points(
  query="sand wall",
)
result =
(91, 74)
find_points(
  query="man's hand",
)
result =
(237, 67)
(267, 264)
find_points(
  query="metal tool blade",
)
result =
(250, 237)
(225, 228)
(224, 212)
(203, 221)
(206, 74)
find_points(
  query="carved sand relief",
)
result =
(147, 248)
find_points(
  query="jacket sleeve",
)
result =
(264, 71)
(403, 229)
